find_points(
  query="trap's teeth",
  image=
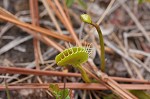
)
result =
(61, 58)
(77, 49)
(89, 54)
(64, 55)
(72, 50)
(68, 52)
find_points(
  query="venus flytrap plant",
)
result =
(75, 56)
(87, 19)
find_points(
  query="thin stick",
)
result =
(37, 29)
(111, 84)
(75, 86)
(42, 38)
(139, 52)
(35, 21)
(14, 70)
(70, 28)
(50, 13)
(106, 12)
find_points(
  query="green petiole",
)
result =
(83, 73)
(87, 19)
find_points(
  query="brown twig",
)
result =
(14, 70)
(35, 21)
(36, 28)
(42, 38)
(111, 84)
(45, 39)
(69, 26)
(50, 13)
(81, 86)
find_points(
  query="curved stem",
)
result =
(102, 59)
(83, 73)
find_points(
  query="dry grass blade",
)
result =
(69, 26)
(37, 29)
(50, 13)
(139, 52)
(120, 79)
(5, 28)
(42, 38)
(124, 93)
(106, 12)
(14, 43)
(52, 5)
(14, 70)
(81, 86)
(111, 84)
(4, 16)
(7, 14)
(37, 50)
(35, 21)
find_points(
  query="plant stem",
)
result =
(102, 59)
(83, 73)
